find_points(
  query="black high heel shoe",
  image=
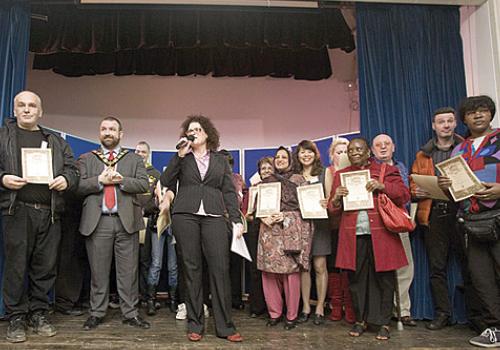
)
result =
(303, 317)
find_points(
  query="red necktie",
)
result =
(109, 190)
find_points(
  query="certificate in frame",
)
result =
(464, 183)
(309, 201)
(268, 199)
(358, 198)
(37, 165)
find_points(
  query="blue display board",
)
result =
(244, 160)
(80, 146)
(160, 159)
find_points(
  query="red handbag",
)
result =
(395, 219)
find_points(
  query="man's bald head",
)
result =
(383, 148)
(27, 110)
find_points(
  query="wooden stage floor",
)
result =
(167, 333)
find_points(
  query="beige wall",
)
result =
(481, 37)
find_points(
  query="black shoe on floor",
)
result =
(138, 322)
(439, 322)
(16, 332)
(239, 306)
(92, 322)
(289, 325)
(408, 321)
(151, 307)
(41, 325)
(74, 311)
(173, 306)
(303, 317)
(273, 322)
(318, 319)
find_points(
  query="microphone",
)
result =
(183, 143)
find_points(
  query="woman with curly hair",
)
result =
(205, 191)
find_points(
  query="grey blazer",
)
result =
(135, 181)
(216, 189)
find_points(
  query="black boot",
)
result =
(151, 300)
(173, 300)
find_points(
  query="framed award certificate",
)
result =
(358, 198)
(268, 199)
(309, 201)
(464, 183)
(37, 165)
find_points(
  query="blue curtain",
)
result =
(14, 41)
(410, 63)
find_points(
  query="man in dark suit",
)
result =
(111, 177)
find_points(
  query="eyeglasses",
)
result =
(196, 130)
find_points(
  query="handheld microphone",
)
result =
(183, 143)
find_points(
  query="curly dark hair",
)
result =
(213, 139)
(473, 103)
(317, 167)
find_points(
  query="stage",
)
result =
(167, 333)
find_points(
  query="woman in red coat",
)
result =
(366, 247)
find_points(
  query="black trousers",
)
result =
(439, 240)
(257, 301)
(144, 263)
(484, 266)
(474, 309)
(372, 292)
(31, 242)
(73, 267)
(199, 236)
(235, 266)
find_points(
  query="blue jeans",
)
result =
(157, 259)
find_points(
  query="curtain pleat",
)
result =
(14, 41)
(76, 42)
(410, 63)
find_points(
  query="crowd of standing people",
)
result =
(361, 271)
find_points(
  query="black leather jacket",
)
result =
(63, 164)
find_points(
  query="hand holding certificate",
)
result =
(163, 222)
(358, 197)
(310, 197)
(268, 199)
(37, 165)
(239, 246)
(429, 184)
(464, 183)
